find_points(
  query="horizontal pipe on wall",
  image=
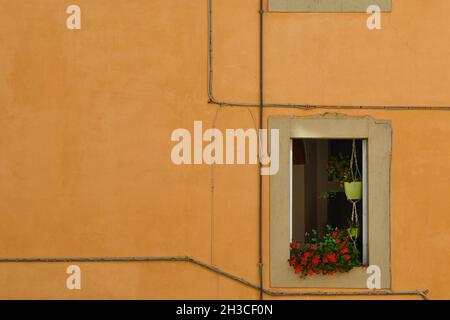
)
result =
(213, 100)
(422, 294)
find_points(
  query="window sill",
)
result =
(355, 279)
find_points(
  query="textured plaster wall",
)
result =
(86, 118)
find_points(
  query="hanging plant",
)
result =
(353, 188)
(334, 253)
(339, 168)
(353, 229)
(343, 169)
(338, 171)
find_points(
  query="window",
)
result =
(327, 5)
(317, 194)
(306, 145)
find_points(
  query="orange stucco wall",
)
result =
(86, 118)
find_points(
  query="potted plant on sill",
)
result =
(334, 253)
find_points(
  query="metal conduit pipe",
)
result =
(261, 125)
(213, 100)
(422, 294)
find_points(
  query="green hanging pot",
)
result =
(353, 232)
(353, 190)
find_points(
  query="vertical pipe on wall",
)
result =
(261, 115)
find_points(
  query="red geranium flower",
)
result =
(319, 255)
(298, 269)
(315, 261)
(345, 250)
(332, 257)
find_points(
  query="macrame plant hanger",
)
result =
(356, 176)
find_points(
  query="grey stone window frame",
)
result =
(379, 143)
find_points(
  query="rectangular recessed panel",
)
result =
(327, 5)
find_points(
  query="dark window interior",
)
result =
(310, 179)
